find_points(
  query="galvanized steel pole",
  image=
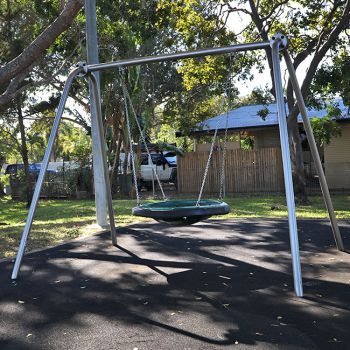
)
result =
(178, 56)
(97, 157)
(42, 172)
(314, 152)
(276, 42)
(101, 143)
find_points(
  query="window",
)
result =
(144, 159)
(156, 158)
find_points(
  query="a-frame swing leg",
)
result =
(42, 172)
(100, 141)
(314, 152)
(277, 41)
(46, 160)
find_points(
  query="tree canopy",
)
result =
(41, 41)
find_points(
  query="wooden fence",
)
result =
(250, 171)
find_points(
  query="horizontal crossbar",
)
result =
(177, 56)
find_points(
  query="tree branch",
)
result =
(276, 6)
(344, 21)
(342, 24)
(13, 91)
(34, 51)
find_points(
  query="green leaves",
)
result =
(199, 72)
(324, 129)
(333, 79)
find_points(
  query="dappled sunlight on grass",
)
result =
(57, 221)
(275, 207)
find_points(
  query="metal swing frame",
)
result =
(278, 42)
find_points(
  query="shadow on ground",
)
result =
(213, 285)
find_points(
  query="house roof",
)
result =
(247, 117)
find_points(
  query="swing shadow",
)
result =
(235, 278)
(210, 276)
(85, 303)
(88, 305)
(240, 308)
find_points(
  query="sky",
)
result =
(237, 22)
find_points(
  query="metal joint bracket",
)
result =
(85, 69)
(281, 38)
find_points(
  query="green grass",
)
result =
(275, 207)
(57, 221)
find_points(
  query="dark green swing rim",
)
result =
(174, 209)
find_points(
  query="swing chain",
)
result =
(127, 97)
(223, 163)
(224, 153)
(208, 164)
(131, 147)
(222, 175)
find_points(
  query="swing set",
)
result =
(180, 211)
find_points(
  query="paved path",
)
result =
(213, 285)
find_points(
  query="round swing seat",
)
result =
(181, 212)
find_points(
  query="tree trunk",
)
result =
(2, 162)
(116, 157)
(24, 154)
(125, 162)
(296, 149)
(298, 164)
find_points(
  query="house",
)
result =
(246, 121)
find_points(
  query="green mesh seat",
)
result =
(181, 212)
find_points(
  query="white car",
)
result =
(164, 166)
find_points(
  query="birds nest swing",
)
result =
(182, 211)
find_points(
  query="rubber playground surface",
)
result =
(213, 285)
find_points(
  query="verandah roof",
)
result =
(247, 117)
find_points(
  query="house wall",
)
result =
(266, 138)
(205, 147)
(337, 160)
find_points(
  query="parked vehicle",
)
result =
(53, 167)
(57, 183)
(13, 169)
(164, 165)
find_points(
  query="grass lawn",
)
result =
(60, 220)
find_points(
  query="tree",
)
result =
(16, 65)
(7, 151)
(314, 29)
(122, 34)
(332, 80)
(164, 92)
(28, 30)
(134, 28)
(191, 25)
(324, 129)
